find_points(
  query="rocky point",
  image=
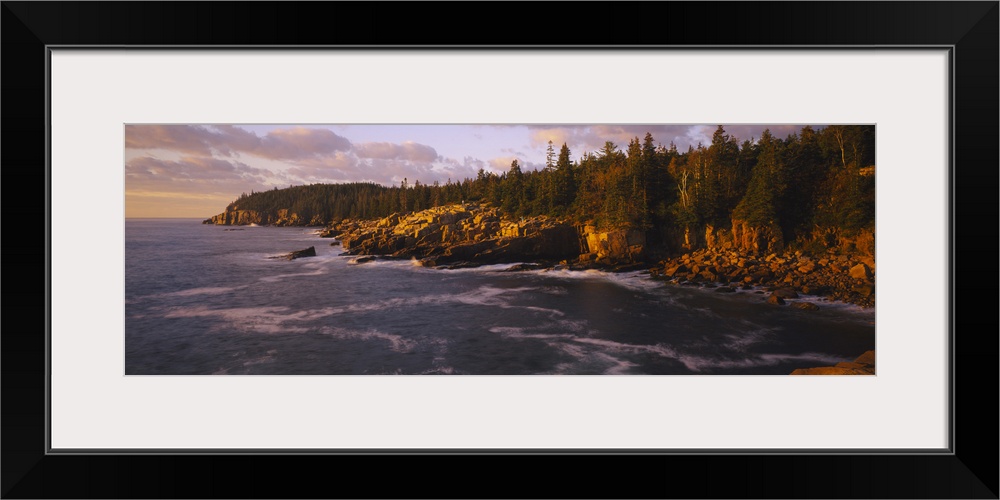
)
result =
(477, 234)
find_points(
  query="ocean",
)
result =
(207, 300)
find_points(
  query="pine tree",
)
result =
(513, 189)
(564, 182)
(767, 185)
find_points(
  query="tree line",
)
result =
(811, 179)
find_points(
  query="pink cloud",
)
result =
(196, 174)
(409, 150)
(226, 140)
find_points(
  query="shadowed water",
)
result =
(203, 300)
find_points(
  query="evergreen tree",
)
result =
(767, 185)
(565, 184)
(513, 189)
(815, 179)
(403, 201)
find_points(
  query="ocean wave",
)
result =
(266, 358)
(440, 370)
(751, 335)
(701, 363)
(271, 320)
(589, 360)
(279, 277)
(489, 268)
(698, 363)
(200, 291)
(190, 292)
(397, 343)
(617, 366)
(523, 333)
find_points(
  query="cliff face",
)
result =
(235, 218)
(481, 234)
(622, 246)
(745, 238)
(246, 217)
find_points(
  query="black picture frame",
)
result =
(970, 28)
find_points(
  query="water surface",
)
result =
(206, 299)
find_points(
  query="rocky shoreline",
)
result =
(474, 234)
(470, 235)
(841, 277)
(463, 235)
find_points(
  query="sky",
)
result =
(196, 170)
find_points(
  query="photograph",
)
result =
(685, 202)
(499, 249)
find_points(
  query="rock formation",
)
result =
(471, 234)
(479, 233)
(284, 217)
(839, 276)
(864, 365)
(308, 252)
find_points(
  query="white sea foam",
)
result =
(753, 334)
(617, 366)
(278, 277)
(255, 319)
(414, 265)
(491, 296)
(199, 291)
(553, 312)
(573, 325)
(522, 333)
(259, 360)
(589, 359)
(638, 281)
(700, 363)
(439, 370)
(397, 343)
(853, 310)
(191, 292)
(656, 349)
(491, 268)
(588, 353)
(268, 357)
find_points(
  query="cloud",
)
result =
(457, 170)
(331, 168)
(558, 136)
(582, 138)
(226, 140)
(195, 175)
(185, 139)
(512, 151)
(387, 171)
(305, 155)
(502, 164)
(299, 143)
(409, 150)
